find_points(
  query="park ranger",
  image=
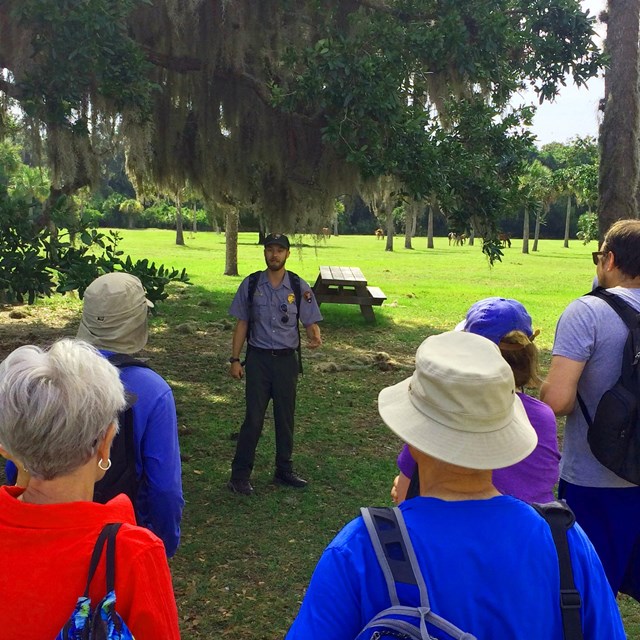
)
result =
(268, 306)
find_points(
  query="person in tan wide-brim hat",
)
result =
(488, 562)
(460, 406)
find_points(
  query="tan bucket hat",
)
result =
(114, 315)
(460, 405)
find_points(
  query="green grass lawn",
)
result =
(243, 564)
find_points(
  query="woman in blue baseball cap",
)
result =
(507, 323)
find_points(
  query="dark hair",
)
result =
(623, 240)
(522, 356)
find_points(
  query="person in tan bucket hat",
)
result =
(114, 315)
(115, 320)
(488, 560)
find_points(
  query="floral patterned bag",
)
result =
(103, 622)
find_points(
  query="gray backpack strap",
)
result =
(387, 530)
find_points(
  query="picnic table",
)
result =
(347, 285)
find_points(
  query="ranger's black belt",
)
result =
(274, 352)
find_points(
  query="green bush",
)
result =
(587, 227)
(37, 261)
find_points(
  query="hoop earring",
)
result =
(108, 464)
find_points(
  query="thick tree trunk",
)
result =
(408, 224)
(536, 234)
(525, 231)
(389, 246)
(335, 226)
(618, 180)
(430, 229)
(231, 242)
(179, 231)
(567, 223)
(472, 236)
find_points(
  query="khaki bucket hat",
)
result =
(114, 315)
(460, 405)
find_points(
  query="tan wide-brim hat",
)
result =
(114, 315)
(460, 405)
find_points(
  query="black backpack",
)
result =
(614, 431)
(399, 564)
(121, 477)
(294, 278)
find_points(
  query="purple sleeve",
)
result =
(406, 463)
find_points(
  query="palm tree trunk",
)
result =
(195, 222)
(536, 233)
(430, 229)
(179, 231)
(525, 231)
(567, 223)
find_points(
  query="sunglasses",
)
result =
(595, 255)
(285, 317)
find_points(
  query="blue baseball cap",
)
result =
(493, 318)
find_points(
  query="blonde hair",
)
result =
(522, 355)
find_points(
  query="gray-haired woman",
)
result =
(58, 416)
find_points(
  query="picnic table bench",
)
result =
(347, 285)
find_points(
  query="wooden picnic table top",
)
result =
(342, 276)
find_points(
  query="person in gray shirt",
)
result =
(587, 359)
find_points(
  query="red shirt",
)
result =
(45, 552)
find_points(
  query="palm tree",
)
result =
(131, 208)
(534, 191)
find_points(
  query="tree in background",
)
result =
(286, 105)
(620, 130)
(131, 208)
(572, 163)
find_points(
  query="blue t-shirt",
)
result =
(274, 313)
(490, 567)
(590, 331)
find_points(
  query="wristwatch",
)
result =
(232, 360)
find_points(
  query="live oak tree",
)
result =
(284, 104)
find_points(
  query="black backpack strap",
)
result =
(251, 289)
(294, 279)
(631, 318)
(626, 312)
(123, 477)
(122, 360)
(560, 519)
(108, 534)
